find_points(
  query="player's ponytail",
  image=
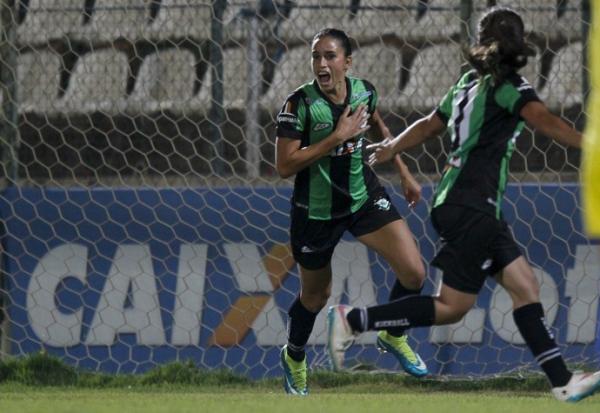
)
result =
(501, 48)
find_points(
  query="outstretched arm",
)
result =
(410, 186)
(415, 134)
(537, 115)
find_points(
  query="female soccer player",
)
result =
(484, 112)
(320, 135)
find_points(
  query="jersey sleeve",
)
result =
(515, 93)
(444, 109)
(291, 117)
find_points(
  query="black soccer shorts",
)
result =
(474, 245)
(314, 240)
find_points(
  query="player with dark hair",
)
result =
(484, 112)
(320, 136)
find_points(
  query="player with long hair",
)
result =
(320, 136)
(484, 112)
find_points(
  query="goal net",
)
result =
(143, 221)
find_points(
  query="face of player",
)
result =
(330, 64)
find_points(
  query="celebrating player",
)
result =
(320, 135)
(483, 112)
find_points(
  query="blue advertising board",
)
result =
(122, 280)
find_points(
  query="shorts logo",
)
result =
(321, 126)
(486, 264)
(306, 250)
(383, 204)
(491, 202)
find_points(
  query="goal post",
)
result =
(144, 221)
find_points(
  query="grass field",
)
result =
(40, 383)
(352, 399)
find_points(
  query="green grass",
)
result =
(40, 383)
(155, 399)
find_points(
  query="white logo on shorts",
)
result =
(306, 250)
(486, 264)
(383, 204)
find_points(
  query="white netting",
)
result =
(143, 220)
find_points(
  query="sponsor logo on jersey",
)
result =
(347, 148)
(362, 95)
(321, 126)
(285, 117)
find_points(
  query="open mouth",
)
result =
(324, 77)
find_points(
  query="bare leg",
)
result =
(452, 305)
(395, 243)
(519, 281)
(316, 288)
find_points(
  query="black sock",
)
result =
(300, 325)
(399, 291)
(539, 338)
(413, 311)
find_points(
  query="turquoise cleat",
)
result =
(294, 374)
(398, 346)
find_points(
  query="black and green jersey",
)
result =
(335, 185)
(483, 122)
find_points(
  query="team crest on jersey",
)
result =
(321, 126)
(383, 204)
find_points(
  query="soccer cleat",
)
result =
(409, 360)
(339, 335)
(579, 387)
(294, 381)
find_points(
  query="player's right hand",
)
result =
(380, 152)
(351, 125)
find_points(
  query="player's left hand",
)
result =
(411, 189)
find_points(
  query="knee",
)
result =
(315, 300)
(455, 315)
(413, 277)
(450, 313)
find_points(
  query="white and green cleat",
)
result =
(294, 374)
(398, 346)
(579, 387)
(339, 335)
